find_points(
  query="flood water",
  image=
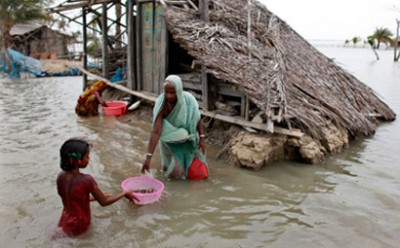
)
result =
(350, 200)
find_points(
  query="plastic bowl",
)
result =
(147, 189)
(115, 108)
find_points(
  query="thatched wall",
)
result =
(291, 82)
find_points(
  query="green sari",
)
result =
(179, 137)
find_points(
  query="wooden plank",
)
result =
(227, 90)
(191, 85)
(146, 96)
(259, 126)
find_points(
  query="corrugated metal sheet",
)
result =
(23, 28)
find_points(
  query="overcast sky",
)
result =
(333, 19)
(336, 19)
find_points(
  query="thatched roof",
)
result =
(289, 80)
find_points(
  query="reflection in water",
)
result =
(350, 200)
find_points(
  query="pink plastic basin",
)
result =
(115, 108)
(148, 189)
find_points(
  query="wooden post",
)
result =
(139, 46)
(203, 7)
(163, 55)
(206, 89)
(246, 109)
(249, 27)
(155, 84)
(104, 28)
(131, 46)
(84, 34)
(118, 23)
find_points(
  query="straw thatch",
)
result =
(292, 83)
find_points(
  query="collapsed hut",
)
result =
(247, 67)
(39, 41)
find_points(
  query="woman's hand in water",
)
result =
(130, 196)
(145, 166)
(101, 101)
(202, 145)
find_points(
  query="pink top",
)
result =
(75, 195)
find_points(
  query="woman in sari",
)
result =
(88, 102)
(177, 125)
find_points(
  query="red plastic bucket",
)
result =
(114, 108)
(197, 170)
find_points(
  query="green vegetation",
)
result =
(382, 35)
(371, 41)
(355, 40)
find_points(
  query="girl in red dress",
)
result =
(76, 188)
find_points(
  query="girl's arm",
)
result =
(105, 199)
(202, 141)
(154, 137)
(93, 199)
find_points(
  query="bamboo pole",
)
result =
(148, 97)
(66, 7)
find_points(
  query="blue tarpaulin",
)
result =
(21, 63)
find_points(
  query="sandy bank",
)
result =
(59, 65)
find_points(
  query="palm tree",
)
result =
(382, 35)
(371, 41)
(355, 40)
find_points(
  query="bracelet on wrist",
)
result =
(149, 154)
(202, 135)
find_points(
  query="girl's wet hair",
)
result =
(71, 150)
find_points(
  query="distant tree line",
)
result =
(380, 36)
